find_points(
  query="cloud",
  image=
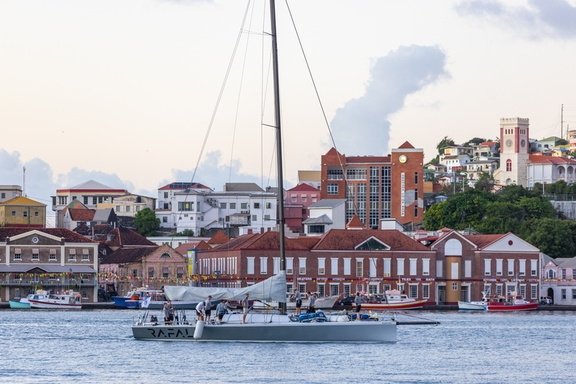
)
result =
(536, 19)
(212, 173)
(362, 125)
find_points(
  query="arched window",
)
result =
(453, 247)
(508, 165)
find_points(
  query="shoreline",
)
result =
(548, 307)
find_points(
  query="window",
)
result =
(400, 267)
(256, 205)
(413, 267)
(487, 267)
(25, 213)
(165, 272)
(52, 255)
(302, 266)
(289, 265)
(347, 266)
(17, 254)
(72, 255)
(321, 266)
(332, 189)
(13, 213)
(334, 266)
(425, 267)
(232, 205)
(533, 267)
(499, 263)
(263, 265)
(508, 165)
(150, 271)
(180, 272)
(250, 265)
(85, 255)
(413, 290)
(243, 205)
(359, 268)
(425, 291)
(35, 254)
(222, 205)
(510, 267)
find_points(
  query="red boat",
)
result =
(514, 303)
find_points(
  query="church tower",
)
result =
(514, 151)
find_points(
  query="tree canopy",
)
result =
(514, 209)
(146, 222)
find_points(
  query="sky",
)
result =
(136, 94)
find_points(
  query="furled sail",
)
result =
(271, 289)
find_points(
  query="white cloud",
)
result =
(536, 18)
(361, 126)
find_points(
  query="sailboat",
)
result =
(263, 327)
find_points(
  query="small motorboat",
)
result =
(65, 300)
(24, 302)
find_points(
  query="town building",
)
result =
(53, 259)
(468, 264)
(297, 201)
(90, 193)
(8, 192)
(240, 208)
(559, 280)
(21, 211)
(377, 187)
(150, 266)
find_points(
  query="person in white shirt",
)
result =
(200, 310)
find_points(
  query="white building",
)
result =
(514, 150)
(550, 169)
(244, 207)
(325, 215)
(8, 192)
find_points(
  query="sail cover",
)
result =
(271, 289)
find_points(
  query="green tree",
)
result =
(146, 222)
(553, 237)
(445, 142)
(485, 183)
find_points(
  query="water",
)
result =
(97, 347)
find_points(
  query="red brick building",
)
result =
(377, 187)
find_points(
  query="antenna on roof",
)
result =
(24, 181)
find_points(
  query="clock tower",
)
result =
(514, 152)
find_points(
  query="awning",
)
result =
(47, 268)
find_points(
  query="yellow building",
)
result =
(22, 212)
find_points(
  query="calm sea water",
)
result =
(97, 347)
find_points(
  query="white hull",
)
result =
(271, 328)
(473, 305)
(44, 305)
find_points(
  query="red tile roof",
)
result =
(406, 145)
(348, 240)
(554, 160)
(120, 237)
(303, 187)
(66, 234)
(219, 238)
(81, 214)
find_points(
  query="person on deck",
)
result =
(358, 304)
(245, 308)
(200, 308)
(298, 298)
(221, 310)
(312, 302)
(208, 308)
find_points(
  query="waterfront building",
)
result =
(53, 259)
(8, 192)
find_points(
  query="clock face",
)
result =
(508, 143)
(523, 142)
(402, 158)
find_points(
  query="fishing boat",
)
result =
(512, 303)
(276, 325)
(65, 300)
(392, 299)
(24, 302)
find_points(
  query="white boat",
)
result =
(65, 300)
(481, 305)
(24, 302)
(276, 326)
(473, 305)
(264, 326)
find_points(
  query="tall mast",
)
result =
(279, 162)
